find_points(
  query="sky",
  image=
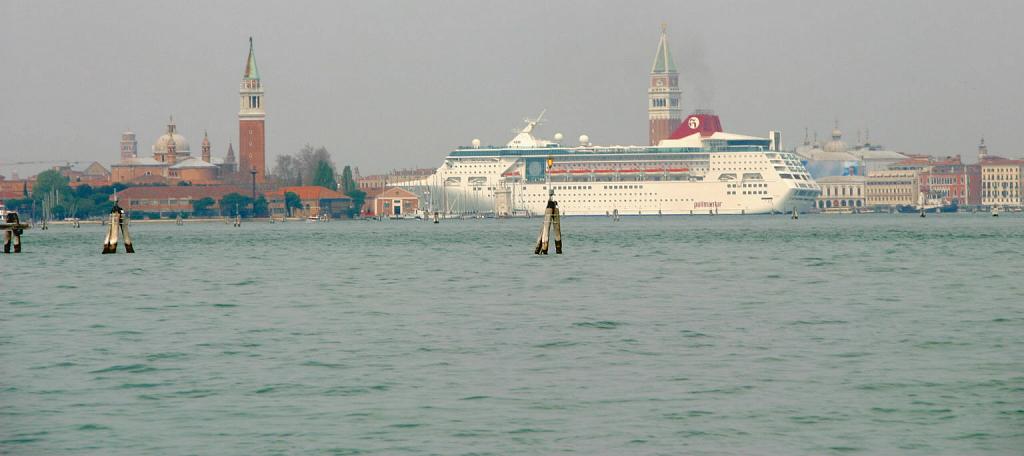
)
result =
(398, 84)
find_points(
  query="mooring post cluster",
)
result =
(552, 220)
(118, 227)
(12, 228)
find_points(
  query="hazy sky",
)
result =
(386, 84)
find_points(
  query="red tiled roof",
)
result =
(180, 191)
(309, 192)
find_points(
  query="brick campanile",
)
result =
(664, 110)
(251, 121)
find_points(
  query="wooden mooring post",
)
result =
(118, 227)
(552, 222)
(12, 228)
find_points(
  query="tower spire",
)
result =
(663, 62)
(251, 72)
(206, 147)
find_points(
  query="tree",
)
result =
(324, 176)
(286, 170)
(201, 207)
(291, 201)
(234, 204)
(83, 191)
(84, 207)
(48, 181)
(293, 169)
(358, 199)
(347, 182)
(351, 188)
(260, 207)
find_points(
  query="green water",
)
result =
(870, 334)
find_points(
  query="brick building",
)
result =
(945, 181)
(168, 200)
(391, 202)
(94, 175)
(14, 188)
(171, 162)
(316, 201)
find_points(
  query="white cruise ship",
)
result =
(699, 169)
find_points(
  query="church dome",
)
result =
(836, 144)
(181, 146)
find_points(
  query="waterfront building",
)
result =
(892, 188)
(15, 188)
(316, 201)
(1001, 181)
(391, 202)
(948, 181)
(251, 122)
(664, 109)
(841, 193)
(172, 200)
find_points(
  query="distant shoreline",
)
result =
(226, 220)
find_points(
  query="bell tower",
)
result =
(664, 109)
(251, 118)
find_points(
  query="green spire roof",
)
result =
(251, 72)
(663, 62)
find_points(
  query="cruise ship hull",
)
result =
(702, 171)
(661, 198)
